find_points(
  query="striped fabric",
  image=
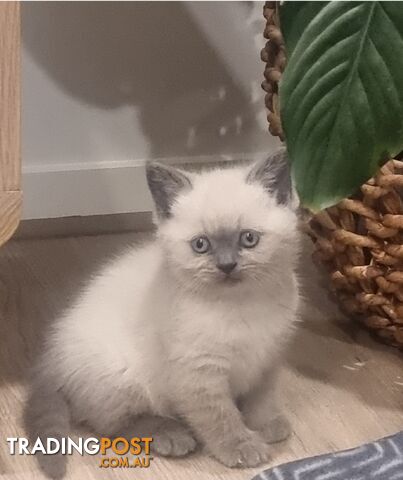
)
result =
(381, 460)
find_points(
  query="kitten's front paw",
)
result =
(250, 452)
(174, 441)
(277, 430)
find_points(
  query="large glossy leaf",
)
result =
(341, 94)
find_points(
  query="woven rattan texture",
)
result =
(360, 239)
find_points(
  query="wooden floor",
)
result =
(339, 387)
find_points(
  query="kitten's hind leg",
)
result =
(171, 438)
(46, 416)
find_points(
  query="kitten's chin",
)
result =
(229, 281)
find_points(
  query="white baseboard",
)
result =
(65, 190)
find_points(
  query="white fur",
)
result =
(162, 309)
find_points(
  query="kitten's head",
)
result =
(226, 227)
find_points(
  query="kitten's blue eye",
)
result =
(200, 244)
(249, 239)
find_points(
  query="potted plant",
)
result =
(334, 83)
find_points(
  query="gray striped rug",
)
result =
(381, 460)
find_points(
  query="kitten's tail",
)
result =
(47, 416)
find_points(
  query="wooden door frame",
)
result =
(10, 119)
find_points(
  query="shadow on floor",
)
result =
(39, 278)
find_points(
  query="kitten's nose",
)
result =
(227, 267)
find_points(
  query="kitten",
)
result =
(180, 339)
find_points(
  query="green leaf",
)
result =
(341, 94)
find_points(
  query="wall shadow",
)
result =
(150, 55)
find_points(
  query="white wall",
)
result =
(108, 85)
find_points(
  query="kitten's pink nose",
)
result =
(227, 267)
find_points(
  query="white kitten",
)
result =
(180, 339)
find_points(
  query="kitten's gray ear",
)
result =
(275, 175)
(165, 183)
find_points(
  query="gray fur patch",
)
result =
(165, 183)
(275, 176)
(47, 415)
(226, 248)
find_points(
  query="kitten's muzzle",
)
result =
(227, 267)
(226, 256)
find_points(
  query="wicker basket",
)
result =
(360, 239)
